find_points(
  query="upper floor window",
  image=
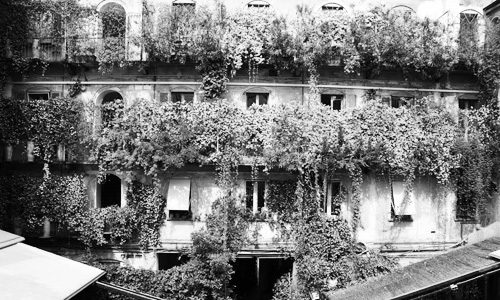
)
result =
(397, 101)
(402, 10)
(35, 95)
(110, 191)
(332, 7)
(332, 100)
(184, 3)
(469, 29)
(179, 199)
(255, 195)
(331, 205)
(402, 203)
(113, 18)
(468, 104)
(257, 99)
(112, 102)
(258, 4)
(182, 97)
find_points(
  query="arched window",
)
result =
(113, 18)
(110, 191)
(110, 103)
(496, 20)
(469, 30)
(184, 3)
(332, 7)
(402, 10)
(258, 4)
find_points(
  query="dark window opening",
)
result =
(258, 4)
(180, 215)
(111, 191)
(255, 278)
(332, 7)
(111, 102)
(169, 260)
(257, 99)
(180, 3)
(258, 198)
(468, 104)
(334, 203)
(249, 195)
(182, 97)
(38, 96)
(332, 100)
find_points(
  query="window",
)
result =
(183, 3)
(468, 104)
(257, 99)
(179, 199)
(402, 203)
(38, 95)
(334, 101)
(258, 4)
(169, 260)
(397, 101)
(332, 7)
(331, 205)
(110, 103)
(182, 97)
(110, 191)
(255, 193)
(469, 30)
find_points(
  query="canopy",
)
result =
(27, 272)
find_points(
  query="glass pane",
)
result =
(263, 99)
(188, 97)
(260, 194)
(176, 97)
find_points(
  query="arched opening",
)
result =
(258, 4)
(111, 191)
(113, 18)
(468, 36)
(332, 7)
(111, 103)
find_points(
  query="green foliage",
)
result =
(148, 205)
(47, 123)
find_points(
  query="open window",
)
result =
(109, 191)
(257, 99)
(402, 203)
(182, 97)
(397, 101)
(255, 195)
(258, 4)
(334, 101)
(331, 204)
(38, 95)
(471, 103)
(179, 199)
(184, 3)
(111, 103)
(332, 7)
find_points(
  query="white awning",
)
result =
(178, 194)
(30, 273)
(402, 206)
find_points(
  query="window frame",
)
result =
(256, 184)
(328, 203)
(258, 4)
(182, 94)
(257, 98)
(180, 215)
(338, 98)
(332, 7)
(40, 92)
(403, 218)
